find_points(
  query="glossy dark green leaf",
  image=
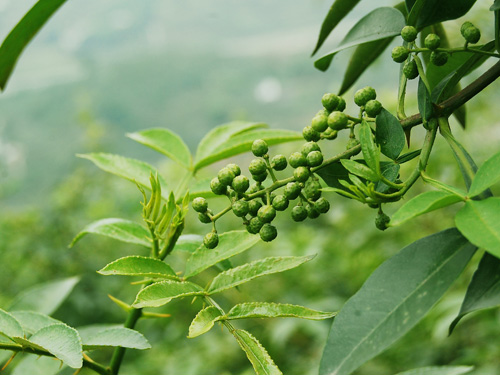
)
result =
(204, 321)
(159, 294)
(33, 321)
(22, 34)
(371, 153)
(483, 291)
(379, 24)
(439, 370)
(390, 171)
(139, 266)
(424, 102)
(431, 11)
(394, 298)
(99, 336)
(486, 176)
(259, 358)
(408, 156)
(389, 134)
(9, 325)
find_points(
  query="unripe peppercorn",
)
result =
(292, 190)
(260, 177)
(322, 112)
(235, 168)
(240, 184)
(471, 34)
(217, 187)
(297, 159)
(268, 232)
(319, 123)
(280, 203)
(314, 158)
(299, 213)
(225, 176)
(322, 205)
(337, 120)
(255, 188)
(204, 218)
(312, 212)
(310, 134)
(439, 58)
(259, 147)
(308, 147)
(409, 34)
(200, 204)
(254, 225)
(257, 166)
(399, 54)
(341, 105)
(278, 162)
(301, 174)
(211, 240)
(373, 108)
(381, 221)
(465, 26)
(266, 213)
(410, 69)
(361, 97)
(312, 189)
(330, 134)
(253, 207)
(432, 41)
(330, 101)
(240, 208)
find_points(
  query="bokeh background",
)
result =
(100, 69)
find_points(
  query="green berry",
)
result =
(362, 96)
(240, 184)
(299, 213)
(308, 147)
(261, 177)
(337, 120)
(312, 189)
(330, 134)
(465, 26)
(432, 41)
(319, 123)
(352, 142)
(278, 162)
(254, 225)
(439, 58)
(301, 174)
(471, 34)
(292, 190)
(381, 221)
(312, 212)
(322, 112)
(226, 176)
(341, 105)
(235, 168)
(211, 240)
(240, 208)
(253, 207)
(310, 134)
(410, 69)
(204, 218)
(268, 232)
(297, 159)
(257, 166)
(314, 158)
(330, 101)
(280, 203)
(373, 108)
(217, 187)
(409, 34)
(255, 188)
(259, 147)
(322, 205)
(266, 213)
(399, 54)
(200, 204)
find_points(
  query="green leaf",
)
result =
(119, 229)
(389, 134)
(230, 244)
(408, 156)
(371, 153)
(21, 35)
(98, 336)
(242, 274)
(359, 169)
(44, 298)
(36, 365)
(379, 24)
(275, 310)
(9, 325)
(130, 169)
(261, 361)
(424, 101)
(389, 170)
(431, 11)
(338, 10)
(423, 203)
(483, 291)
(159, 294)
(139, 266)
(486, 176)
(203, 321)
(201, 188)
(32, 321)
(166, 142)
(188, 243)
(332, 174)
(394, 298)
(495, 6)
(242, 142)
(439, 370)
(479, 221)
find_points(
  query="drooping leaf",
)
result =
(159, 294)
(424, 102)
(479, 221)
(394, 298)
(360, 170)
(131, 169)
(486, 176)
(188, 243)
(35, 365)
(32, 321)
(438, 370)
(246, 272)
(432, 12)
(22, 34)
(483, 291)
(275, 310)
(379, 24)
(44, 298)
(423, 203)
(371, 153)
(139, 266)
(259, 357)
(230, 244)
(119, 229)
(203, 321)
(390, 171)
(98, 336)
(389, 134)
(9, 325)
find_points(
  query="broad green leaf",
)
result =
(483, 291)
(44, 298)
(98, 336)
(166, 142)
(432, 11)
(131, 169)
(360, 170)
(188, 243)
(371, 153)
(119, 229)
(424, 102)
(36, 365)
(389, 134)
(394, 298)
(9, 325)
(32, 321)
(479, 221)
(332, 174)
(139, 266)
(203, 321)
(486, 176)
(230, 244)
(275, 310)
(261, 361)
(201, 188)
(21, 35)
(159, 294)
(242, 274)
(423, 203)
(379, 24)
(439, 370)
(242, 142)
(389, 170)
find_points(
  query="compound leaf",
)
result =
(139, 266)
(159, 294)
